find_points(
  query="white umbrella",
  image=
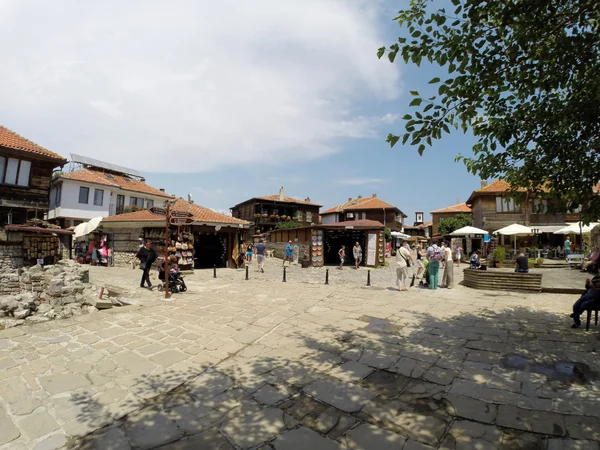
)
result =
(399, 235)
(576, 228)
(87, 227)
(465, 231)
(515, 230)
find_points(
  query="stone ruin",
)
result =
(39, 294)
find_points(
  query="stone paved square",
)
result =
(264, 364)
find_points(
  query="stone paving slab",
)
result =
(233, 363)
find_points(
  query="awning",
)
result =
(548, 228)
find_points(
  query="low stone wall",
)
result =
(11, 256)
(502, 280)
(279, 249)
(122, 259)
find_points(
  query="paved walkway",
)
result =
(299, 365)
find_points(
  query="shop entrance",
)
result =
(209, 250)
(334, 240)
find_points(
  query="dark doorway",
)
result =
(209, 250)
(334, 240)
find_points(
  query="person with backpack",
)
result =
(434, 256)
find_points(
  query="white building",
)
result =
(91, 191)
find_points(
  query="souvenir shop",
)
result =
(95, 248)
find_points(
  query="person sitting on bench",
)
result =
(474, 262)
(591, 296)
(592, 261)
(522, 264)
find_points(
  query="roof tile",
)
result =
(200, 214)
(360, 204)
(114, 180)
(10, 139)
(276, 198)
(460, 208)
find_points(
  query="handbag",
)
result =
(143, 265)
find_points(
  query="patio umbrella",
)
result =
(465, 231)
(86, 228)
(515, 230)
(399, 235)
(576, 228)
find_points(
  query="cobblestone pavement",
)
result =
(300, 365)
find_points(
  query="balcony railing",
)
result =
(114, 210)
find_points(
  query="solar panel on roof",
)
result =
(103, 165)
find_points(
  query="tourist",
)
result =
(342, 255)
(474, 262)
(289, 253)
(260, 255)
(109, 252)
(458, 254)
(403, 262)
(567, 247)
(592, 261)
(147, 255)
(522, 264)
(357, 253)
(448, 262)
(420, 265)
(249, 250)
(589, 299)
(434, 256)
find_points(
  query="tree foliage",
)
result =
(524, 76)
(450, 224)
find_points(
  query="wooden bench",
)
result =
(500, 280)
(575, 261)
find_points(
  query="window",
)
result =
(308, 216)
(136, 201)
(506, 205)
(539, 206)
(84, 195)
(57, 194)
(14, 171)
(149, 203)
(299, 216)
(98, 197)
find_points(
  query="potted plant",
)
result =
(256, 216)
(538, 262)
(499, 256)
(265, 216)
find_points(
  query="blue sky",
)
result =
(227, 100)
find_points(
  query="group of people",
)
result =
(357, 254)
(148, 256)
(429, 261)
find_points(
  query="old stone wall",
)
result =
(122, 259)
(11, 257)
(126, 240)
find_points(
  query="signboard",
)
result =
(158, 210)
(181, 220)
(176, 213)
(349, 227)
(371, 249)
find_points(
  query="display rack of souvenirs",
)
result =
(317, 255)
(38, 248)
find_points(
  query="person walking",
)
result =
(249, 252)
(448, 262)
(420, 265)
(434, 256)
(260, 255)
(147, 255)
(403, 262)
(342, 255)
(458, 254)
(289, 253)
(357, 252)
(567, 247)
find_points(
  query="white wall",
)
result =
(71, 208)
(329, 218)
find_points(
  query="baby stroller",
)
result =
(176, 282)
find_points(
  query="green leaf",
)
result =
(415, 93)
(380, 52)
(416, 102)
(428, 107)
(406, 117)
(421, 149)
(434, 80)
(392, 140)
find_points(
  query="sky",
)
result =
(228, 100)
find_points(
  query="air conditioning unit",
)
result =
(350, 215)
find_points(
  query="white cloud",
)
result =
(361, 181)
(191, 85)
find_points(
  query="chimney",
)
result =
(307, 199)
(162, 189)
(374, 195)
(484, 183)
(349, 199)
(359, 197)
(457, 201)
(190, 197)
(281, 196)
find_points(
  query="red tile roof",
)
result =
(114, 180)
(495, 187)
(360, 204)
(460, 208)
(200, 214)
(12, 140)
(276, 198)
(418, 227)
(356, 224)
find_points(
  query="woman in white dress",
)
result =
(403, 262)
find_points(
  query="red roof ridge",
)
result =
(12, 140)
